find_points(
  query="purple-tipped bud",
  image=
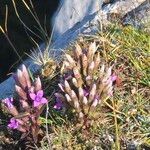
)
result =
(84, 61)
(58, 105)
(21, 79)
(61, 87)
(110, 91)
(95, 102)
(88, 80)
(101, 72)
(78, 51)
(73, 94)
(76, 104)
(60, 96)
(67, 76)
(21, 92)
(38, 85)
(67, 86)
(24, 103)
(97, 61)
(74, 81)
(70, 59)
(91, 67)
(86, 91)
(76, 73)
(92, 93)
(81, 93)
(108, 74)
(66, 64)
(92, 47)
(85, 101)
(26, 75)
(68, 98)
(8, 102)
(81, 115)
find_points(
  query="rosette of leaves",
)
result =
(86, 81)
(29, 105)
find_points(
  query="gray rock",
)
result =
(72, 11)
(7, 87)
(140, 16)
(86, 26)
(120, 8)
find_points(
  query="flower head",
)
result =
(38, 98)
(13, 124)
(8, 102)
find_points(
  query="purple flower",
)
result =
(58, 105)
(86, 91)
(38, 98)
(13, 124)
(113, 78)
(8, 102)
(68, 76)
(97, 97)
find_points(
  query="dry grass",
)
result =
(123, 121)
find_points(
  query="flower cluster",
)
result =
(86, 81)
(32, 101)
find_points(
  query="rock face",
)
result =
(71, 12)
(81, 17)
(140, 16)
(119, 8)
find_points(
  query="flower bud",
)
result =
(92, 93)
(74, 81)
(26, 74)
(78, 51)
(68, 98)
(21, 79)
(67, 87)
(21, 92)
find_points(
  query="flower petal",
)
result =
(113, 78)
(58, 105)
(13, 124)
(40, 93)
(32, 96)
(36, 104)
(43, 100)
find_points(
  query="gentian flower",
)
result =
(38, 98)
(8, 102)
(13, 124)
(113, 77)
(58, 105)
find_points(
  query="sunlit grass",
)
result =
(124, 120)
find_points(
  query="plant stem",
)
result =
(116, 127)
